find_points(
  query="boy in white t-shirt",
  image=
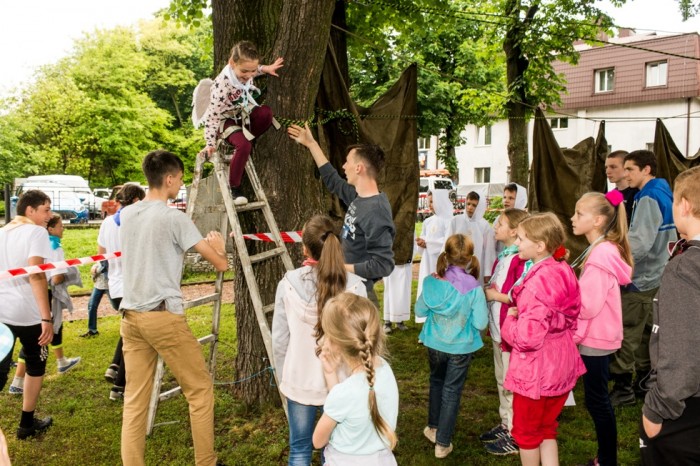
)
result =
(25, 309)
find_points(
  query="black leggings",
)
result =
(34, 355)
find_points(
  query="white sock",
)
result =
(62, 362)
(18, 382)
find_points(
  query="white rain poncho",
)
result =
(480, 232)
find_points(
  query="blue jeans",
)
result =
(447, 375)
(595, 384)
(302, 420)
(94, 303)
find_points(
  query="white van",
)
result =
(70, 195)
(429, 184)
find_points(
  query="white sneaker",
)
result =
(72, 362)
(387, 328)
(430, 433)
(240, 200)
(442, 452)
(15, 390)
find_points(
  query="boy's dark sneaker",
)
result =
(89, 334)
(111, 373)
(39, 426)
(503, 447)
(117, 393)
(498, 432)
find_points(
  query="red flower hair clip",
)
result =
(560, 253)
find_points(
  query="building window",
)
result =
(482, 175)
(560, 123)
(605, 80)
(657, 73)
(423, 158)
(423, 143)
(483, 136)
(650, 146)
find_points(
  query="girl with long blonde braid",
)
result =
(359, 419)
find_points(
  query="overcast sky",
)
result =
(38, 32)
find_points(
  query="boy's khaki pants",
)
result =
(147, 335)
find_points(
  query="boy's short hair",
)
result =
(158, 164)
(32, 198)
(512, 187)
(618, 154)
(687, 186)
(53, 221)
(473, 196)
(643, 158)
(372, 155)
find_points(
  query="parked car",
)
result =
(65, 203)
(64, 183)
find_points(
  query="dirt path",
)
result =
(80, 303)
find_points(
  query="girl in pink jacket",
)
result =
(605, 265)
(544, 361)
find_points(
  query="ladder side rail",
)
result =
(267, 212)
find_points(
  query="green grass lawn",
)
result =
(87, 423)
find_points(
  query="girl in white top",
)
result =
(296, 329)
(433, 235)
(359, 417)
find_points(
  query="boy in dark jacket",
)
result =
(671, 415)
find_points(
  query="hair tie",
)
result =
(614, 197)
(559, 253)
(325, 235)
(372, 388)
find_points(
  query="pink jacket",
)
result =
(600, 321)
(544, 360)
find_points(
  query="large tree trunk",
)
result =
(518, 108)
(299, 32)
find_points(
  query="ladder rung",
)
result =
(268, 308)
(267, 254)
(170, 393)
(200, 301)
(251, 206)
(206, 339)
(210, 209)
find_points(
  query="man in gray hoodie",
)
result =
(368, 229)
(671, 415)
(651, 230)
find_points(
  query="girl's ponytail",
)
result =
(617, 233)
(367, 355)
(473, 268)
(442, 264)
(331, 277)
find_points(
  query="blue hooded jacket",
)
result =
(651, 230)
(454, 319)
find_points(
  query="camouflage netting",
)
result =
(390, 123)
(558, 177)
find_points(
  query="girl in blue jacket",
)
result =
(455, 307)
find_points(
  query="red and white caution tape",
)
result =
(56, 265)
(287, 237)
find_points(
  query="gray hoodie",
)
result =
(674, 346)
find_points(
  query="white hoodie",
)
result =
(480, 232)
(299, 370)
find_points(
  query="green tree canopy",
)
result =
(120, 94)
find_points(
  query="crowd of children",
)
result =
(550, 322)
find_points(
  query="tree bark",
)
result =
(518, 108)
(299, 32)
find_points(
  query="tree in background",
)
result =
(120, 94)
(461, 78)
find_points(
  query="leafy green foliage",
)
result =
(120, 94)
(460, 71)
